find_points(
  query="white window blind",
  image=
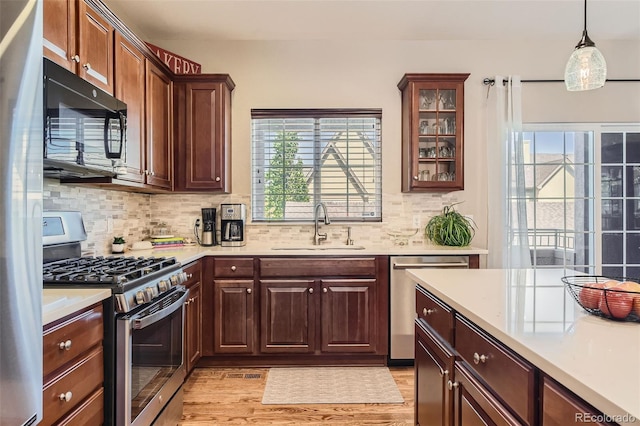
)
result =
(303, 157)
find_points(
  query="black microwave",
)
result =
(84, 127)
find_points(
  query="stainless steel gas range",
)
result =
(144, 321)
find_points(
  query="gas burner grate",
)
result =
(104, 270)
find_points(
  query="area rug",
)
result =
(331, 385)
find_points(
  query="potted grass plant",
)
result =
(450, 228)
(117, 246)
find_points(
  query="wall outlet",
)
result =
(416, 221)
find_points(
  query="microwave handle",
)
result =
(123, 130)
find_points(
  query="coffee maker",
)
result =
(208, 228)
(232, 225)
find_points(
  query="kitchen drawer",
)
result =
(511, 377)
(194, 273)
(233, 267)
(435, 313)
(317, 267)
(559, 407)
(89, 413)
(475, 404)
(78, 382)
(64, 341)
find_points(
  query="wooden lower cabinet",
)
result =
(307, 310)
(475, 404)
(347, 314)
(433, 370)
(474, 379)
(561, 407)
(73, 366)
(234, 316)
(193, 315)
(287, 316)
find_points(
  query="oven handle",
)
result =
(430, 265)
(141, 323)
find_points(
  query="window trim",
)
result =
(318, 113)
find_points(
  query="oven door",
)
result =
(149, 363)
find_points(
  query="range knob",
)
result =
(174, 280)
(148, 295)
(140, 297)
(163, 286)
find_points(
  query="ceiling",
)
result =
(378, 20)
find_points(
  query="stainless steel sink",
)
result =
(320, 247)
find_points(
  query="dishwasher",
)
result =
(402, 301)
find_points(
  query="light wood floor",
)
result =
(224, 396)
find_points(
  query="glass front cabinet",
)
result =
(432, 132)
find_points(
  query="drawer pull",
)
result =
(66, 396)
(452, 385)
(479, 358)
(311, 290)
(233, 268)
(429, 311)
(324, 290)
(189, 276)
(65, 346)
(248, 291)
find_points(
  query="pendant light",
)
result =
(586, 68)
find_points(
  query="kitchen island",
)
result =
(532, 314)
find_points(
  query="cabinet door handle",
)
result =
(477, 358)
(65, 346)
(311, 290)
(415, 178)
(429, 311)
(324, 290)
(189, 276)
(249, 291)
(75, 58)
(451, 384)
(233, 268)
(87, 66)
(187, 302)
(217, 178)
(444, 372)
(66, 396)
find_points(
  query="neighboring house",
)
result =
(348, 181)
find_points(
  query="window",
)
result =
(583, 197)
(303, 157)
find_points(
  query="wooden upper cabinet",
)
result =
(203, 132)
(130, 88)
(80, 40)
(95, 47)
(432, 132)
(59, 32)
(159, 124)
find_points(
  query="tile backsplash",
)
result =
(135, 215)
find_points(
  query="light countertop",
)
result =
(190, 253)
(60, 302)
(532, 313)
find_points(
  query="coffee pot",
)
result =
(208, 228)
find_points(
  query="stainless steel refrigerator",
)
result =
(21, 141)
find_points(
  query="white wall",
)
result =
(317, 74)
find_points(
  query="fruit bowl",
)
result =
(401, 237)
(613, 298)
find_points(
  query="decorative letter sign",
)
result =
(176, 63)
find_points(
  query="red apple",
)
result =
(590, 295)
(635, 288)
(616, 302)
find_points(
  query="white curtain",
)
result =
(507, 214)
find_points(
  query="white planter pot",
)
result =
(117, 248)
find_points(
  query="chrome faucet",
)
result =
(317, 237)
